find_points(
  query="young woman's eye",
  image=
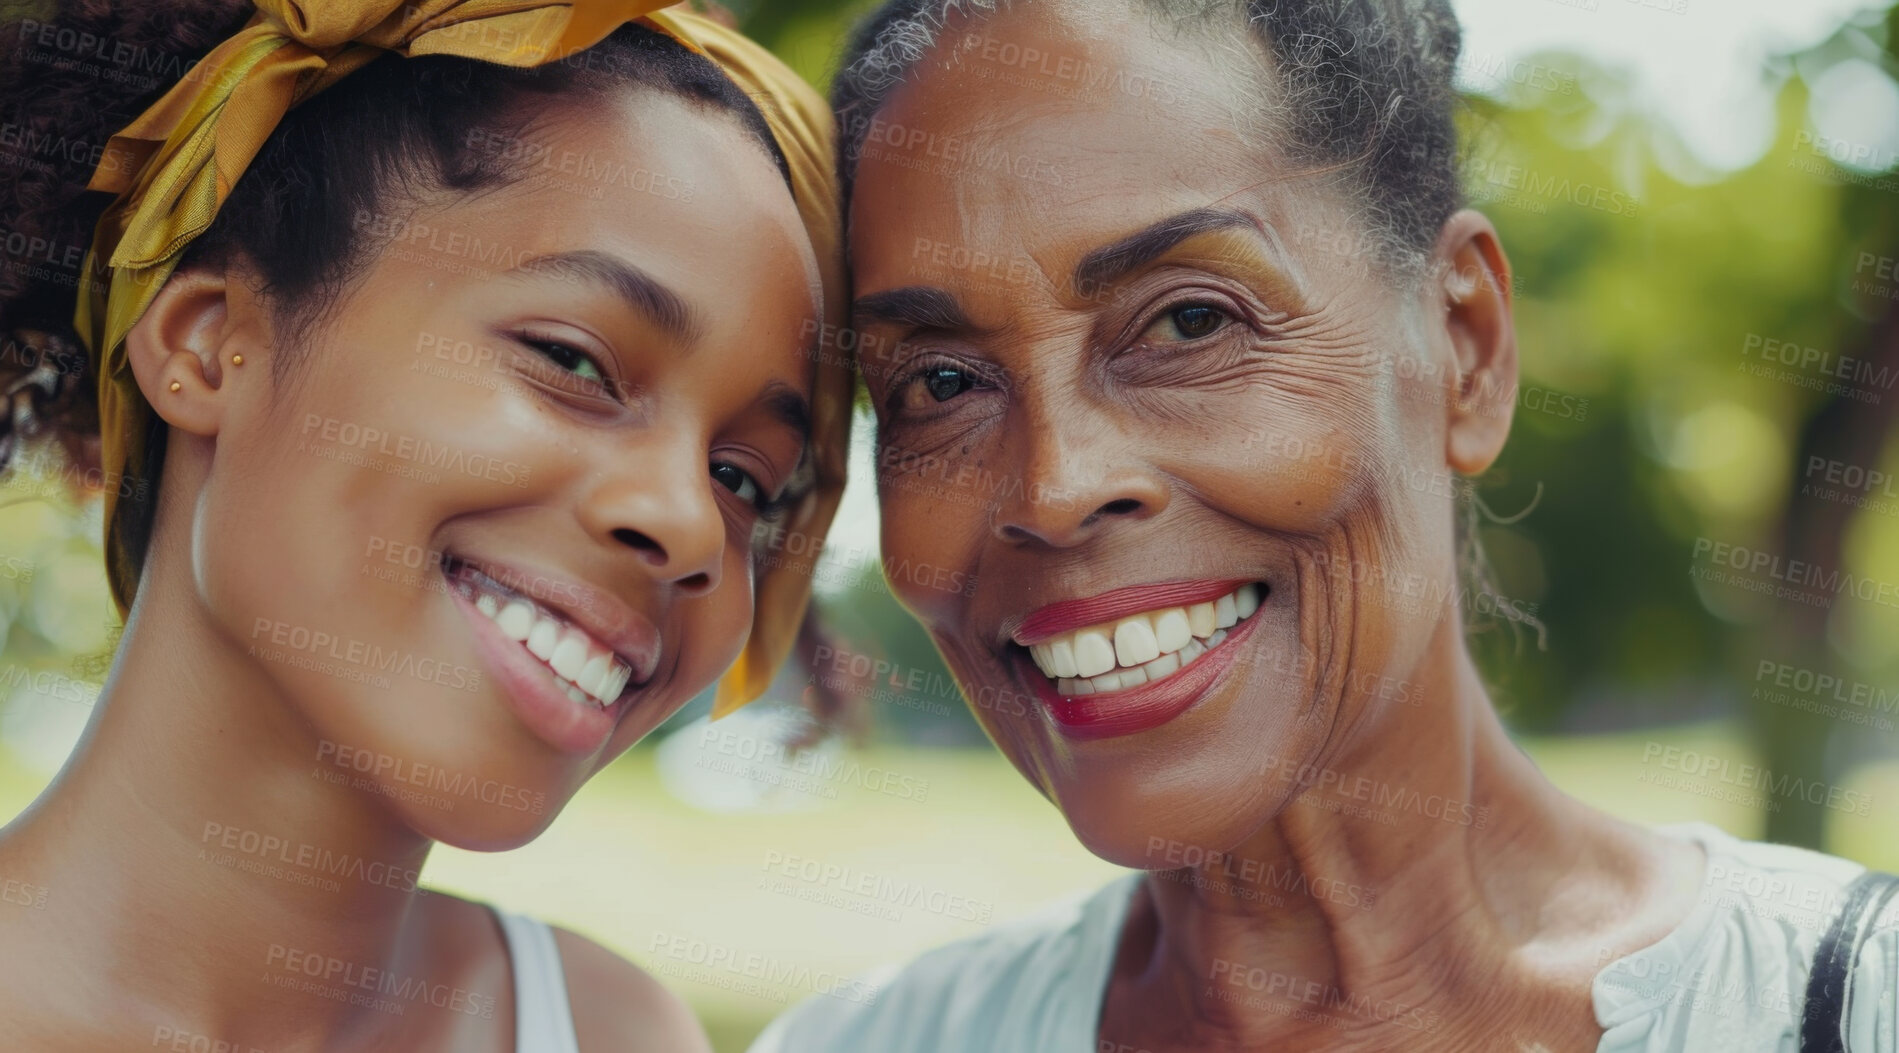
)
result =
(1189, 321)
(569, 359)
(749, 490)
(737, 480)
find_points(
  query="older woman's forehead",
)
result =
(1040, 132)
(1035, 194)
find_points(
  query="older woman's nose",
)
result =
(659, 503)
(1070, 492)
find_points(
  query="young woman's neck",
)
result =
(198, 860)
(1430, 864)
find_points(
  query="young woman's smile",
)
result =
(586, 482)
(571, 670)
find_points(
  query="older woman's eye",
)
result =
(1187, 322)
(945, 384)
(930, 386)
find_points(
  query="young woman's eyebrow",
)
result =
(639, 290)
(787, 407)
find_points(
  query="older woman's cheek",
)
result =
(932, 532)
(934, 529)
(1321, 492)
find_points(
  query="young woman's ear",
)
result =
(189, 346)
(1472, 279)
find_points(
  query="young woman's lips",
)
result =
(540, 704)
(1133, 710)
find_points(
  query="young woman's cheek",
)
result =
(356, 468)
(723, 619)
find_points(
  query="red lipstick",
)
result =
(1057, 618)
(1137, 709)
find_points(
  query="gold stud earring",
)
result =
(237, 360)
(175, 386)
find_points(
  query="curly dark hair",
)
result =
(1363, 88)
(68, 81)
(374, 142)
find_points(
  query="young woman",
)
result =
(452, 356)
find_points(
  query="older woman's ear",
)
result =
(1471, 276)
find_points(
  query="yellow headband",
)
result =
(174, 167)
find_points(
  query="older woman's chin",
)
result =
(1173, 828)
(1203, 781)
(1162, 808)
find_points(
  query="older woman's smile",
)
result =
(1132, 659)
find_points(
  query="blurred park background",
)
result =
(1701, 201)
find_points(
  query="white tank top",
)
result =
(543, 1020)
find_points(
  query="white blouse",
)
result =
(1732, 977)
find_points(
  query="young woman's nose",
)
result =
(659, 502)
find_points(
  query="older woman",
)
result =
(1203, 471)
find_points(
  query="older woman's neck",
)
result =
(1430, 863)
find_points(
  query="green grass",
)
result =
(634, 867)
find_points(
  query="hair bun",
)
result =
(75, 75)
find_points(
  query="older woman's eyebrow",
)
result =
(1112, 262)
(914, 306)
(639, 290)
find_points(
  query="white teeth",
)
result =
(616, 682)
(542, 638)
(1224, 612)
(1246, 601)
(1141, 648)
(587, 672)
(1171, 630)
(1134, 641)
(1122, 679)
(516, 620)
(570, 657)
(1061, 658)
(593, 675)
(1094, 655)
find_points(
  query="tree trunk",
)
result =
(1794, 741)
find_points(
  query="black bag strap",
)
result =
(1830, 984)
